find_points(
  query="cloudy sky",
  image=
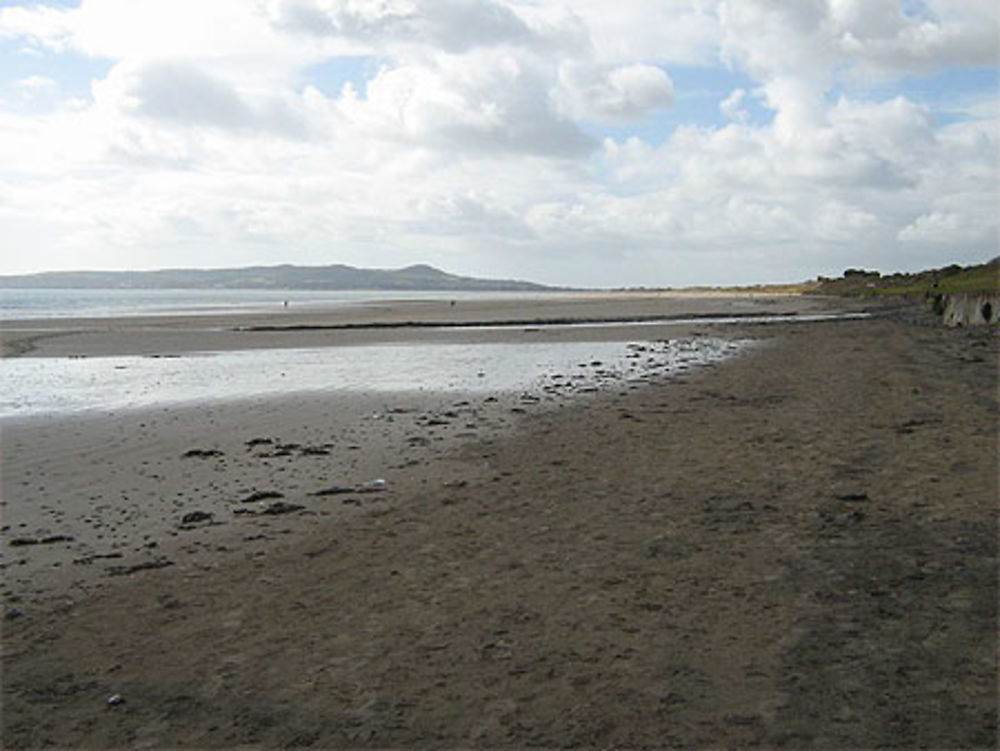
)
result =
(592, 142)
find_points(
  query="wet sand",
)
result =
(388, 322)
(796, 547)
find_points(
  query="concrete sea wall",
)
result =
(972, 309)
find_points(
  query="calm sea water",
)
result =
(102, 303)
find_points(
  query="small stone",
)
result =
(115, 699)
(335, 490)
(12, 614)
(861, 496)
(281, 507)
(55, 538)
(262, 495)
(200, 453)
(314, 451)
(22, 541)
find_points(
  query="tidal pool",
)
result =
(46, 386)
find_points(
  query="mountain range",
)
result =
(334, 277)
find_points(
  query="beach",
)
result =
(791, 542)
(389, 321)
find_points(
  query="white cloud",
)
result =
(807, 38)
(36, 83)
(177, 93)
(947, 32)
(619, 94)
(664, 31)
(41, 25)
(495, 103)
(230, 38)
(936, 226)
(452, 25)
(732, 106)
(472, 143)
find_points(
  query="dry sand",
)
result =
(795, 548)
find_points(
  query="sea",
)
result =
(52, 386)
(105, 303)
(49, 386)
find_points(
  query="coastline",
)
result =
(111, 479)
(395, 321)
(797, 547)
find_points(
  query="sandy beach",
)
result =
(392, 321)
(792, 546)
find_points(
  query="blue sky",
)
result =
(72, 71)
(573, 143)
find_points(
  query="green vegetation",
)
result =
(984, 277)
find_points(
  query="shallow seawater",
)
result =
(101, 303)
(46, 386)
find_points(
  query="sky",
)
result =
(594, 143)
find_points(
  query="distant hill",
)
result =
(418, 277)
(983, 277)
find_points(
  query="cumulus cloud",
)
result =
(493, 104)
(451, 25)
(774, 38)
(796, 50)
(231, 38)
(183, 94)
(732, 106)
(612, 95)
(877, 34)
(41, 26)
(683, 32)
(505, 136)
